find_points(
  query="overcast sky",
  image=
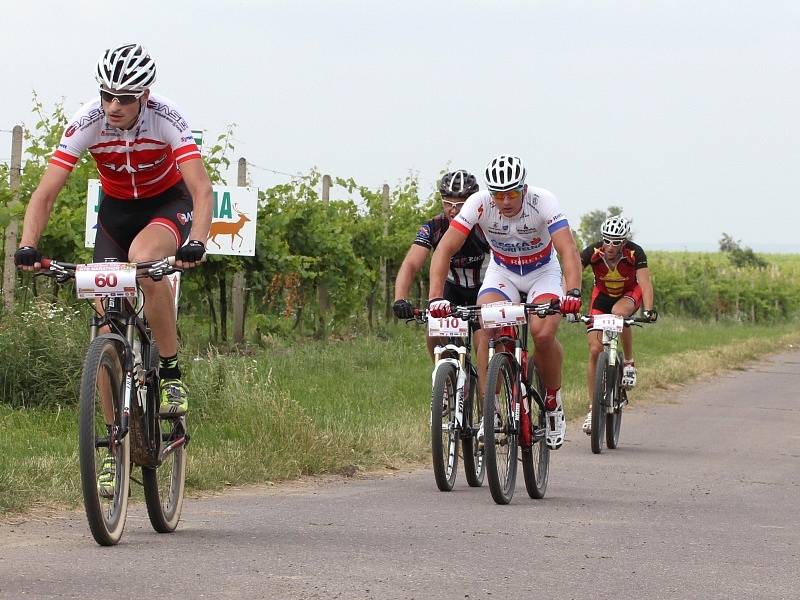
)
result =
(684, 113)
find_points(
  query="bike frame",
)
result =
(611, 343)
(127, 327)
(521, 395)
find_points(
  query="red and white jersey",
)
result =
(520, 243)
(140, 162)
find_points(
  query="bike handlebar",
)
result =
(473, 312)
(154, 269)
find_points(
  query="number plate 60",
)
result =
(96, 280)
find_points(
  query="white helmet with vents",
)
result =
(616, 228)
(505, 173)
(127, 68)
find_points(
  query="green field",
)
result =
(357, 403)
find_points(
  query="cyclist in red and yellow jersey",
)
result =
(621, 286)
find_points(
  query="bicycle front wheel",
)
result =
(599, 402)
(614, 419)
(536, 459)
(500, 438)
(474, 465)
(444, 437)
(104, 454)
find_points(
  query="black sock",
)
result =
(168, 367)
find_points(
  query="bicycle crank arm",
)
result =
(181, 441)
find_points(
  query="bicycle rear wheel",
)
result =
(164, 485)
(474, 465)
(614, 419)
(102, 386)
(444, 437)
(599, 402)
(536, 459)
(500, 443)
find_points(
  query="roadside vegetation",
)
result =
(342, 406)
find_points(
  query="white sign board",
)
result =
(233, 227)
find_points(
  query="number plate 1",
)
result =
(612, 322)
(97, 280)
(447, 327)
(498, 314)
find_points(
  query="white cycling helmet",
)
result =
(127, 67)
(505, 173)
(616, 228)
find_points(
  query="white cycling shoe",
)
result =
(587, 424)
(498, 424)
(628, 377)
(556, 425)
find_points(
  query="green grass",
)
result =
(289, 410)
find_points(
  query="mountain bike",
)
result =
(609, 396)
(455, 407)
(119, 424)
(515, 396)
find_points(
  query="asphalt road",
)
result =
(701, 500)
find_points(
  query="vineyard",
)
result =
(351, 247)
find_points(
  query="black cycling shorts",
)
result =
(120, 221)
(461, 296)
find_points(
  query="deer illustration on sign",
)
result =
(231, 228)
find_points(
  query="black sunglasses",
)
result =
(612, 242)
(123, 99)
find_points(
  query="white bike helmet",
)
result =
(505, 173)
(127, 67)
(616, 228)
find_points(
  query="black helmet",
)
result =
(458, 184)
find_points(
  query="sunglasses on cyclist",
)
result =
(452, 205)
(123, 99)
(608, 242)
(513, 195)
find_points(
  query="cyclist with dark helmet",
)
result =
(464, 277)
(622, 285)
(156, 198)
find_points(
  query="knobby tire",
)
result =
(536, 459)
(500, 446)
(444, 437)
(102, 367)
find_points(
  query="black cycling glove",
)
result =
(192, 252)
(403, 309)
(27, 256)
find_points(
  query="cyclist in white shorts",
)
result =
(525, 229)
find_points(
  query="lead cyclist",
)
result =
(526, 230)
(149, 207)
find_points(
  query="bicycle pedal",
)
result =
(171, 417)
